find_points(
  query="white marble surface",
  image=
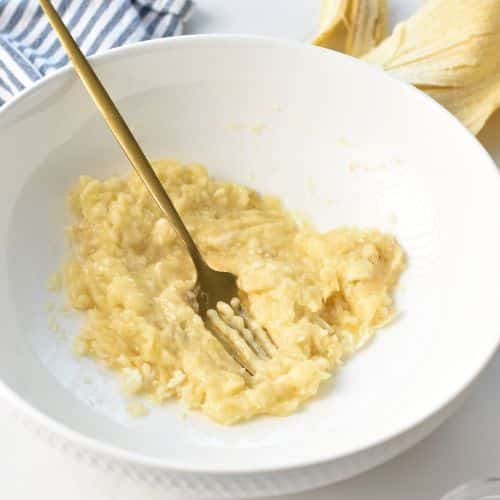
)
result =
(465, 447)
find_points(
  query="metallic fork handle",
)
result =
(121, 131)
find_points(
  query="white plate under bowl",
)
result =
(337, 140)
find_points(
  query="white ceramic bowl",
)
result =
(336, 139)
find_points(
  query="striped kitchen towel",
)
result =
(29, 49)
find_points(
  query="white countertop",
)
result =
(465, 447)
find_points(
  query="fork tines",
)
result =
(244, 339)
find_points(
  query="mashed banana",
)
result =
(320, 296)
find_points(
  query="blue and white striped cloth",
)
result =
(29, 49)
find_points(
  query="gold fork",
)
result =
(216, 292)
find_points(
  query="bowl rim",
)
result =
(122, 454)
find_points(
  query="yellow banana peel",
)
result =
(352, 26)
(451, 50)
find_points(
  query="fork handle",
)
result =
(121, 131)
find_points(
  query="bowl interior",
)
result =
(337, 141)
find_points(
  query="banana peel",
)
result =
(352, 26)
(451, 50)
